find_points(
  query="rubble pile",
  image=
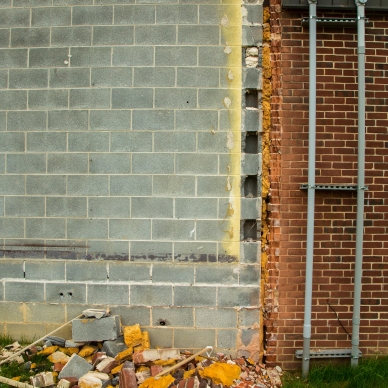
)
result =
(102, 354)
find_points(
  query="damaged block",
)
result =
(93, 329)
(76, 367)
(42, 379)
(155, 354)
(106, 365)
(114, 347)
(95, 313)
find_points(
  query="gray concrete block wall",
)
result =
(120, 162)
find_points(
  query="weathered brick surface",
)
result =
(336, 163)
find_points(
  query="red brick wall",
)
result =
(336, 163)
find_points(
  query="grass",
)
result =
(372, 372)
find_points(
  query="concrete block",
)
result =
(194, 296)
(214, 143)
(195, 252)
(151, 207)
(46, 142)
(131, 141)
(10, 58)
(29, 332)
(93, 329)
(212, 186)
(227, 339)
(71, 36)
(28, 78)
(75, 367)
(13, 99)
(129, 272)
(92, 15)
(249, 317)
(66, 207)
(111, 76)
(130, 229)
(196, 164)
(2, 163)
(89, 228)
(215, 318)
(45, 313)
(50, 16)
(252, 14)
(238, 296)
(153, 120)
(105, 207)
(88, 141)
(176, 317)
(252, 35)
(108, 250)
(68, 120)
(10, 312)
(90, 56)
(11, 142)
(24, 206)
(45, 184)
(196, 208)
(1, 210)
(112, 35)
(67, 163)
(197, 120)
(175, 56)
(113, 347)
(4, 37)
(250, 274)
(154, 76)
(133, 56)
(131, 315)
(251, 164)
(174, 142)
(251, 120)
(249, 252)
(173, 185)
(30, 37)
(155, 163)
(134, 14)
(15, 17)
(161, 337)
(216, 274)
(109, 163)
(250, 208)
(151, 296)
(209, 230)
(3, 119)
(26, 163)
(90, 98)
(201, 35)
(12, 227)
(214, 14)
(68, 293)
(11, 269)
(183, 338)
(45, 228)
(151, 251)
(177, 14)
(215, 56)
(48, 57)
(155, 35)
(106, 294)
(175, 98)
(132, 98)
(86, 271)
(197, 77)
(251, 78)
(173, 230)
(130, 185)
(110, 120)
(177, 274)
(48, 99)
(74, 2)
(23, 292)
(69, 78)
(213, 98)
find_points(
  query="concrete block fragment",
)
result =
(96, 313)
(106, 365)
(76, 367)
(113, 347)
(63, 383)
(155, 354)
(42, 379)
(108, 328)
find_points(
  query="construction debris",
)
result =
(124, 360)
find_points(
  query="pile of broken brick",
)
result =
(104, 354)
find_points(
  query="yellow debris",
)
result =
(124, 355)
(55, 376)
(165, 362)
(221, 373)
(33, 365)
(17, 378)
(145, 339)
(188, 373)
(117, 369)
(87, 350)
(89, 359)
(162, 382)
(69, 351)
(58, 357)
(49, 350)
(132, 335)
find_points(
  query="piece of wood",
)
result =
(14, 383)
(183, 362)
(36, 342)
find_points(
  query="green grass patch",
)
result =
(372, 372)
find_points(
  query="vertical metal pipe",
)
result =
(360, 180)
(311, 188)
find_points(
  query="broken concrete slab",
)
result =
(93, 329)
(44, 379)
(114, 347)
(75, 367)
(96, 313)
(106, 365)
(155, 354)
(56, 340)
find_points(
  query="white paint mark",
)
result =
(66, 62)
(192, 232)
(227, 102)
(230, 75)
(225, 21)
(230, 140)
(228, 184)
(227, 49)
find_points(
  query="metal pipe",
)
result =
(360, 180)
(311, 188)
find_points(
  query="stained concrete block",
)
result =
(75, 367)
(92, 329)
